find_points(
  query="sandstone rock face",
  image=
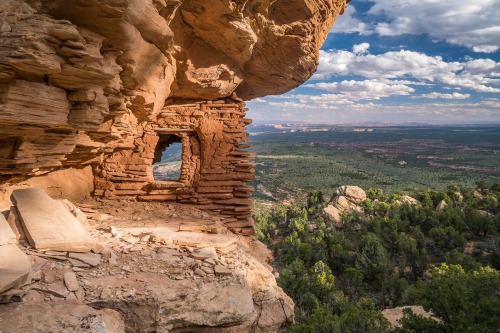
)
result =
(110, 83)
(91, 94)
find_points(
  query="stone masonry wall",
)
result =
(215, 164)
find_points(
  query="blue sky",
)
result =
(434, 61)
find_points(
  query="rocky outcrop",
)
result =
(110, 84)
(440, 207)
(346, 199)
(406, 199)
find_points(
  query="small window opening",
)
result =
(167, 163)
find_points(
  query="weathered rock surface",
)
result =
(347, 199)
(158, 278)
(353, 194)
(440, 207)
(100, 67)
(406, 199)
(119, 81)
(15, 267)
(7, 236)
(333, 213)
(48, 225)
(57, 316)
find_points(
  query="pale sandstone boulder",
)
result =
(406, 199)
(333, 213)
(15, 267)
(48, 224)
(440, 207)
(352, 193)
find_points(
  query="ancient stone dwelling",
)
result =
(215, 164)
(92, 92)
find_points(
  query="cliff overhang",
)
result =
(93, 91)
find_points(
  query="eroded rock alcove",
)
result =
(93, 91)
(97, 83)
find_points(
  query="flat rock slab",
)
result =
(221, 270)
(71, 281)
(88, 258)
(48, 224)
(7, 236)
(204, 253)
(15, 267)
(59, 316)
(221, 243)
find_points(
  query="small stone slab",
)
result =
(89, 258)
(48, 224)
(204, 253)
(221, 270)
(7, 236)
(57, 289)
(71, 281)
(15, 267)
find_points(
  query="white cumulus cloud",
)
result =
(352, 90)
(436, 95)
(472, 23)
(347, 23)
(360, 48)
(476, 74)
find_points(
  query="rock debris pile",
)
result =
(148, 276)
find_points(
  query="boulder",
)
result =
(15, 267)
(352, 193)
(440, 206)
(334, 216)
(406, 199)
(347, 199)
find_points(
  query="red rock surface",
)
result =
(103, 84)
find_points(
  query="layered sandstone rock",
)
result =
(93, 91)
(102, 83)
